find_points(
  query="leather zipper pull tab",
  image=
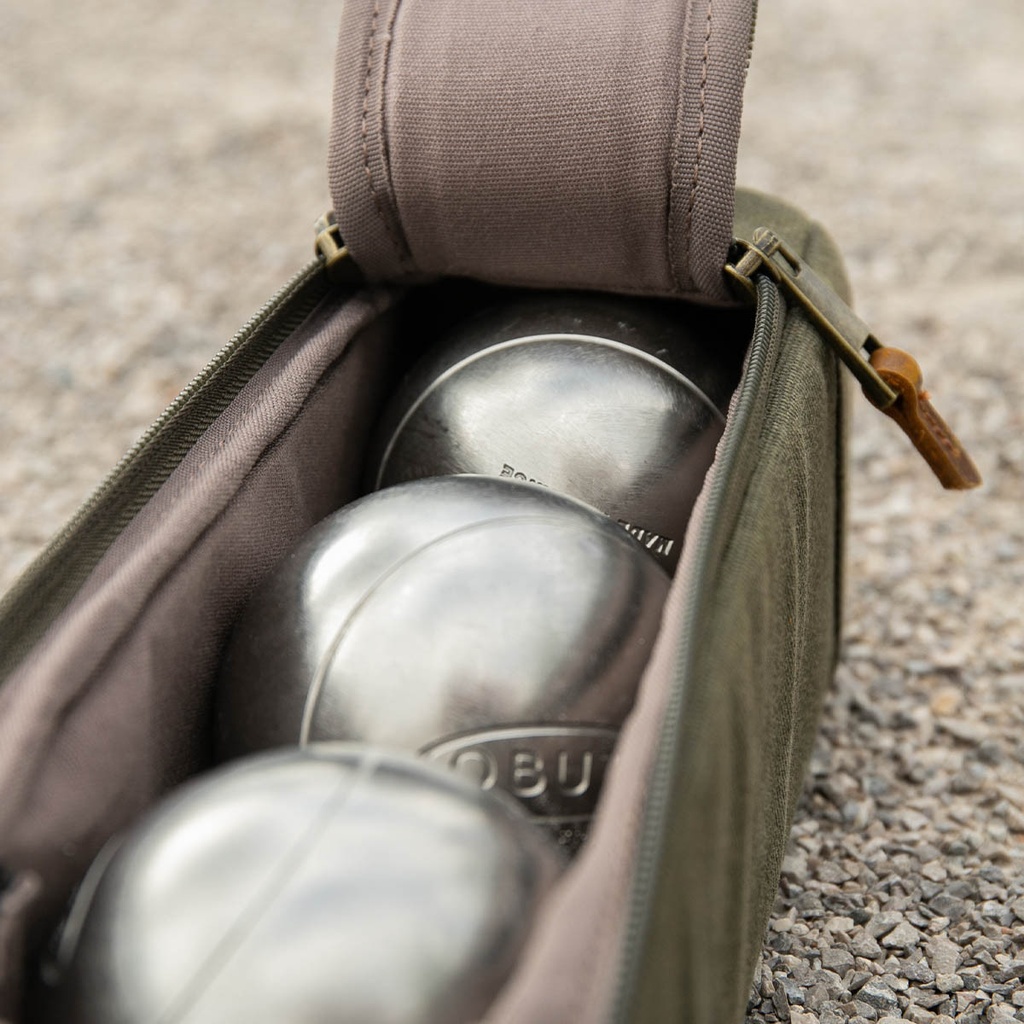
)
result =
(890, 379)
(918, 419)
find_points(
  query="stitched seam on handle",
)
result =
(398, 231)
(364, 133)
(673, 158)
(700, 132)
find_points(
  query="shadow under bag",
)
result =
(542, 144)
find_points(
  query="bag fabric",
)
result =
(543, 143)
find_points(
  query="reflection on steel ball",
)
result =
(496, 627)
(618, 402)
(335, 883)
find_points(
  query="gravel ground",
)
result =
(161, 169)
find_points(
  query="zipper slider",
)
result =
(332, 249)
(890, 378)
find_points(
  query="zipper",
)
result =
(890, 378)
(765, 269)
(659, 791)
(53, 578)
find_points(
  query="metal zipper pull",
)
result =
(890, 378)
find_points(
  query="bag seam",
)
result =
(364, 127)
(673, 159)
(701, 110)
(687, 240)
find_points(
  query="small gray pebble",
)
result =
(857, 980)
(999, 990)
(929, 1000)
(948, 906)
(861, 1011)
(833, 873)
(865, 946)
(794, 991)
(832, 980)
(1011, 972)
(780, 1003)
(942, 954)
(883, 923)
(832, 1014)
(895, 982)
(918, 972)
(919, 1015)
(837, 959)
(816, 997)
(903, 936)
(809, 906)
(878, 995)
(965, 889)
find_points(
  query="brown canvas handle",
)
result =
(541, 143)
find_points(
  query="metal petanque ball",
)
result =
(493, 626)
(616, 401)
(335, 883)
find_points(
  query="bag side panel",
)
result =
(576, 964)
(765, 645)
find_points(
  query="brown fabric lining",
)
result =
(16, 902)
(111, 709)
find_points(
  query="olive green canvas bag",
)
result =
(543, 144)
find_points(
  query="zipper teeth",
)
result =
(663, 770)
(21, 621)
(197, 383)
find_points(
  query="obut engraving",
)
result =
(556, 771)
(477, 765)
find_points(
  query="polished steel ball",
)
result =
(494, 626)
(618, 402)
(335, 883)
